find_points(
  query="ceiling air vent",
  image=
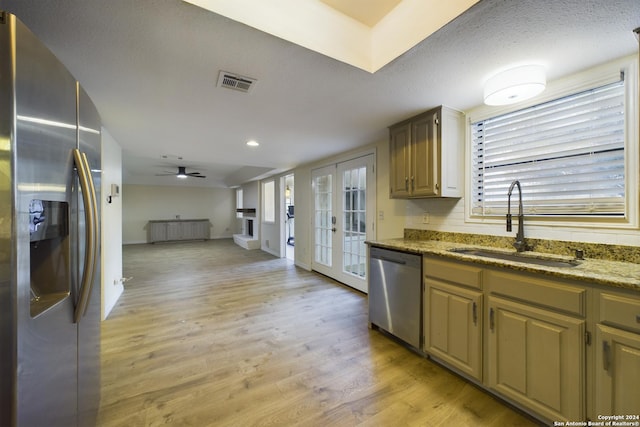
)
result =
(236, 82)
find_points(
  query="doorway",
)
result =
(287, 237)
(343, 201)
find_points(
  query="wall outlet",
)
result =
(425, 217)
(381, 215)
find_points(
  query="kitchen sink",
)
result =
(519, 257)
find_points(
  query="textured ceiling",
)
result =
(151, 68)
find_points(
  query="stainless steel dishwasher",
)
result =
(395, 294)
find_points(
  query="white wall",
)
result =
(304, 215)
(111, 237)
(390, 213)
(142, 203)
(449, 215)
(270, 231)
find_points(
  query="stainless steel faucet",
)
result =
(520, 244)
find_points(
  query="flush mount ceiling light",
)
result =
(252, 143)
(515, 85)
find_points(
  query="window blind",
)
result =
(568, 155)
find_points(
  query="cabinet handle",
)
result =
(475, 313)
(413, 185)
(492, 323)
(406, 183)
(606, 354)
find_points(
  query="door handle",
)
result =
(492, 323)
(333, 229)
(395, 261)
(606, 355)
(96, 228)
(91, 235)
(475, 313)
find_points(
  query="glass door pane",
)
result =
(324, 219)
(354, 193)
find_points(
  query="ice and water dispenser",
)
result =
(49, 254)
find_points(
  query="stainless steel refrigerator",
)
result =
(50, 146)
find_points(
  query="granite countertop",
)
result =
(606, 272)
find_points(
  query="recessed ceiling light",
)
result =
(252, 143)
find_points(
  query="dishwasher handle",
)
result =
(395, 261)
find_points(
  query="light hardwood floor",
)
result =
(209, 334)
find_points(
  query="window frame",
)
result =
(597, 76)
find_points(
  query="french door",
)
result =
(343, 199)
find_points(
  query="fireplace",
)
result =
(249, 230)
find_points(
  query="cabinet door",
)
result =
(174, 231)
(201, 230)
(425, 167)
(400, 153)
(453, 326)
(157, 232)
(188, 230)
(536, 357)
(617, 371)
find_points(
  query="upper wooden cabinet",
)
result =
(427, 155)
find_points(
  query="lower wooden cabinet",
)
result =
(536, 358)
(453, 314)
(453, 326)
(562, 349)
(617, 359)
(617, 371)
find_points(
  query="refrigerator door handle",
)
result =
(96, 230)
(84, 175)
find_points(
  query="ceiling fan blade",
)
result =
(182, 173)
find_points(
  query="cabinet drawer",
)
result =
(621, 311)
(457, 272)
(571, 299)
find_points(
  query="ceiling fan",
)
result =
(182, 173)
